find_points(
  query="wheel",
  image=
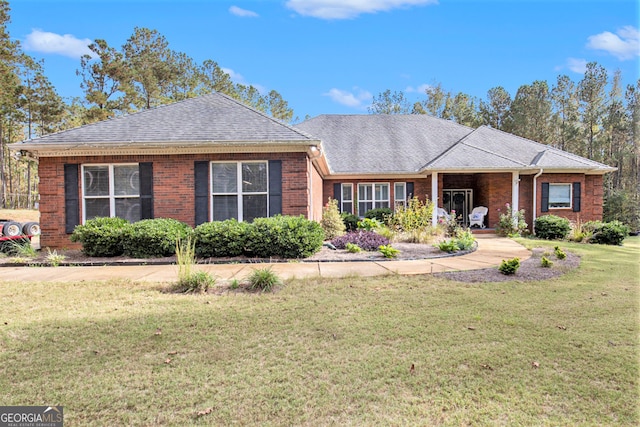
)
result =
(11, 229)
(31, 229)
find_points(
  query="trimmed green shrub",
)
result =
(284, 236)
(552, 227)
(509, 267)
(221, 238)
(102, 236)
(381, 214)
(350, 221)
(607, 233)
(332, 223)
(546, 262)
(154, 237)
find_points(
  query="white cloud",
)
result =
(243, 13)
(577, 65)
(420, 89)
(349, 99)
(239, 78)
(348, 9)
(625, 44)
(66, 45)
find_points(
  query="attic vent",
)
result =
(537, 158)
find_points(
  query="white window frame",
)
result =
(239, 193)
(552, 202)
(375, 203)
(342, 199)
(111, 196)
(399, 201)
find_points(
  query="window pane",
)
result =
(254, 177)
(347, 193)
(225, 178)
(128, 209)
(560, 195)
(126, 180)
(96, 207)
(347, 207)
(225, 207)
(254, 207)
(365, 192)
(382, 192)
(399, 192)
(364, 207)
(382, 205)
(96, 181)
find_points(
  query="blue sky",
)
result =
(333, 56)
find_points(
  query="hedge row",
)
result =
(279, 236)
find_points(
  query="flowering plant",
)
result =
(511, 224)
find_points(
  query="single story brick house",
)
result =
(213, 158)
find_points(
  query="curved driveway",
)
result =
(490, 253)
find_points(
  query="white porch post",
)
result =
(515, 193)
(434, 198)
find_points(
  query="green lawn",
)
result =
(334, 352)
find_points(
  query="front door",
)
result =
(460, 201)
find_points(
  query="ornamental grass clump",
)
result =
(366, 240)
(263, 279)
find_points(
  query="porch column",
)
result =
(434, 198)
(515, 193)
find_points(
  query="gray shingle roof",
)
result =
(364, 144)
(207, 119)
(377, 143)
(488, 148)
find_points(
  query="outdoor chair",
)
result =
(476, 217)
(443, 214)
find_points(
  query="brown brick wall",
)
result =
(173, 189)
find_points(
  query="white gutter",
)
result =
(535, 199)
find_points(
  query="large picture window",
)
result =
(559, 196)
(111, 190)
(240, 190)
(372, 196)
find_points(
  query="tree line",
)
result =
(594, 117)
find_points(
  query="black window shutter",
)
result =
(146, 190)
(409, 190)
(544, 205)
(576, 196)
(201, 186)
(71, 200)
(337, 193)
(275, 187)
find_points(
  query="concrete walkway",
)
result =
(490, 253)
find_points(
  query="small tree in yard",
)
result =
(331, 222)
